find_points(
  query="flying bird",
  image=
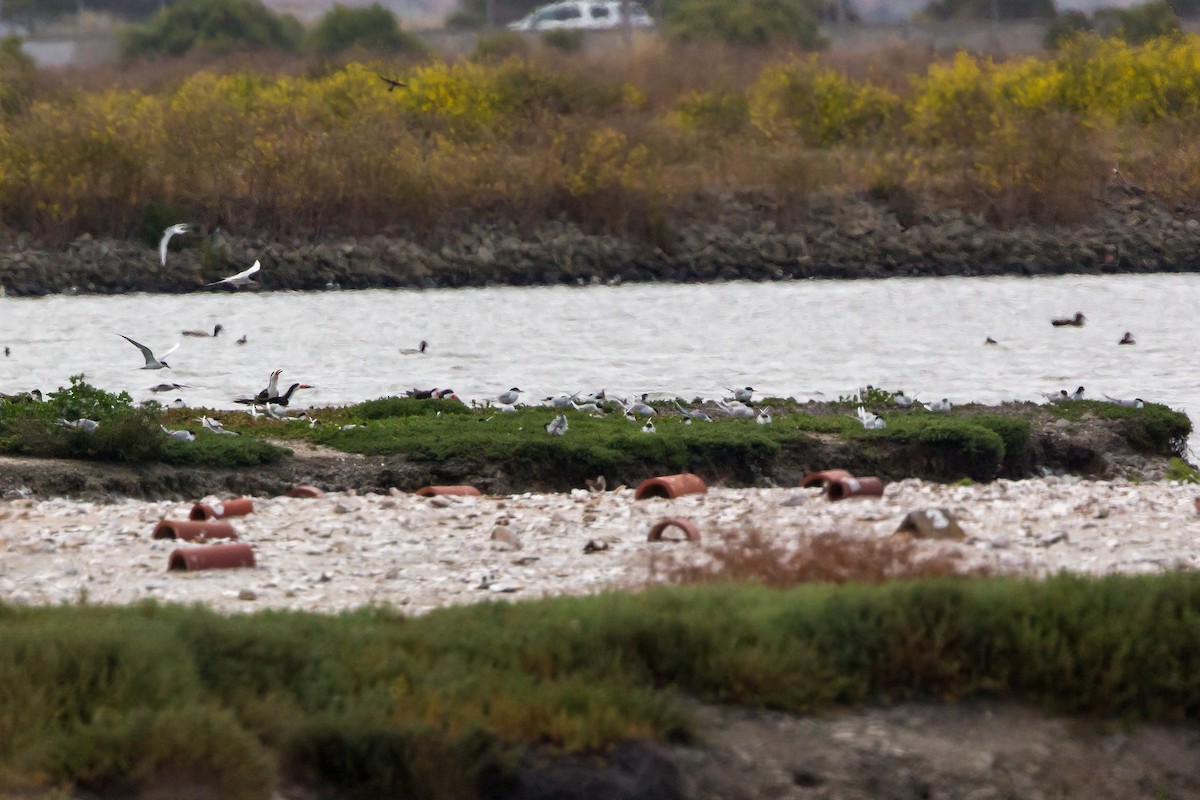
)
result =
(392, 82)
(183, 227)
(169, 387)
(241, 279)
(152, 362)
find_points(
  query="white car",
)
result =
(586, 15)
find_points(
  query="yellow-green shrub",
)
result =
(821, 105)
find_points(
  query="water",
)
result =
(803, 339)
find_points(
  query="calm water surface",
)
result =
(804, 339)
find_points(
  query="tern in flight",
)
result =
(182, 227)
(241, 279)
(392, 82)
(151, 361)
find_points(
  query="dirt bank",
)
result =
(717, 238)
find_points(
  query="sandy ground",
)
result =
(342, 551)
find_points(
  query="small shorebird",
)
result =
(152, 362)
(870, 421)
(179, 436)
(1075, 321)
(557, 426)
(215, 426)
(412, 351)
(241, 279)
(243, 340)
(942, 405)
(85, 425)
(182, 227)
(649, 427)
(509, 397)
(1078, 395)
(903, 400)
(693, 414)
(1137, 402)
(216, 332)
(736, 409)
(1127, 339)
(743, 395)
(764, 416)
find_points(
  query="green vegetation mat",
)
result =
(376, 704)
(976, 442)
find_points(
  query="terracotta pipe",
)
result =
(238, 507)
(842, 488)
(304, 491)
(686, 525)
(823, 478)
(193, 530)
(215, 556)
(670, 486)
(430, 491)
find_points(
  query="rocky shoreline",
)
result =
(730, 237)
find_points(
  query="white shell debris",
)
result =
(346, 550)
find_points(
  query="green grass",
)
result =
(976, 442)
(127, 433)
(373, 703)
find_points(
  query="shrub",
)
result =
(1140, 24)
(17, 74)
(500, 45)
(718, 114)
(566, 41)
(213, 26)
(373, 28)
(1065, 26)
(821, 105)
(753, 23)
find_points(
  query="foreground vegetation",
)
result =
(373, 704)
(616, 141)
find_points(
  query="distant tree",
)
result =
(982, 9)
(1066, 26)
(1138, 24)
(372, 28)
(126, 9)
(216, 26)
(473, 13)
(744, 22)
(17, 75)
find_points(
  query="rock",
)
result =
(502, 534)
